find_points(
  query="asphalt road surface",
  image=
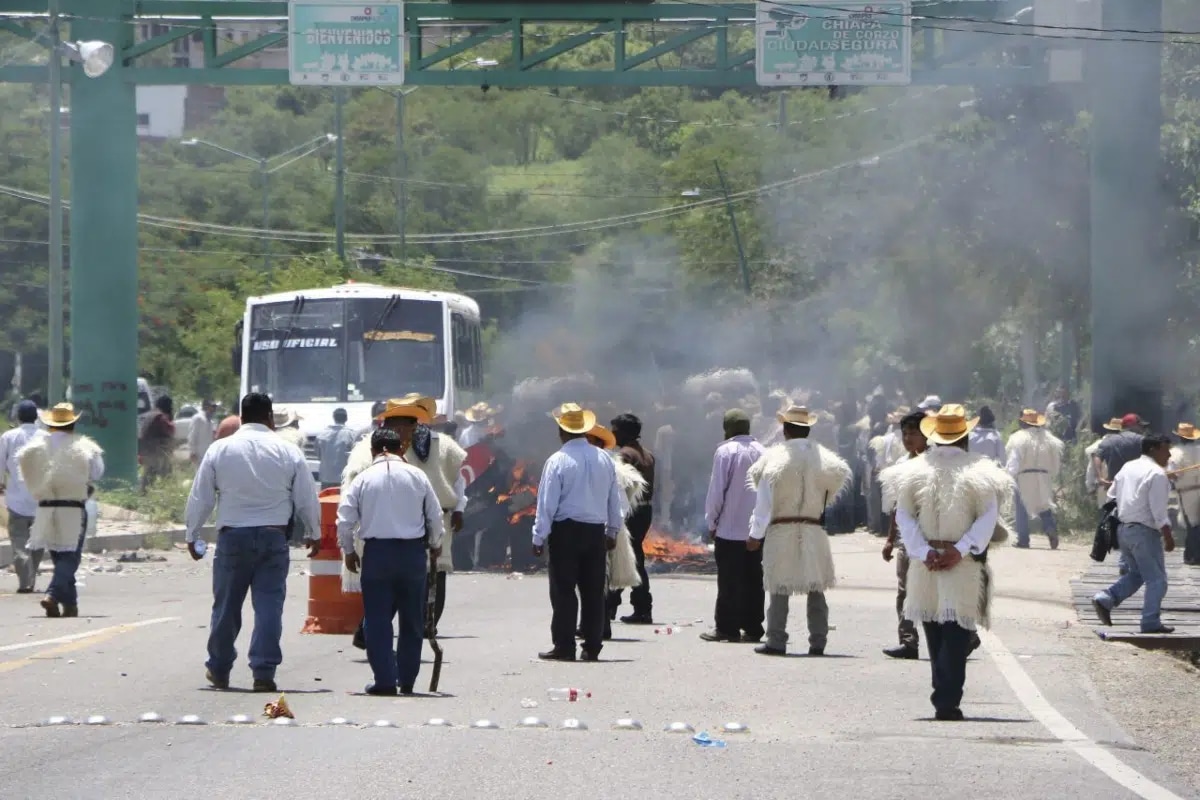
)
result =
(850, 725)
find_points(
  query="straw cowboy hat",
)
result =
(948, 425)
(479, 412)
(573, 419)
(900, 413)
(1113, 424)
(60, 416)
(604, 435)
(1031, 417)
(797, 415)
(411, 406)
(1186, 430)
(285, 416)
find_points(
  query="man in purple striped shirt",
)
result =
(727, 510)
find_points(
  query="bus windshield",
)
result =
(355, 349)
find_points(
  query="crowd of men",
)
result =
(937, 478)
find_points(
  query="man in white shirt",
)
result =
(262, 482)
(1141, 490)
(21, 505)
(479, 417)
(396, 512)
(200, 434)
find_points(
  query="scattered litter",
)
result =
(278, 709)
(515, 576)
(529, 702)
(703, 740)
(126, 558)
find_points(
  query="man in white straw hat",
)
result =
(287, 426)
(59, 467)
(1096, 478)
(578, 517)
(1034, 460)
(478, 417)
(947, 505)
(1186, 456)
(796, 481)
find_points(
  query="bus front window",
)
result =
(403, 347)
(297, 349)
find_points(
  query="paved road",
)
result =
(852, 724)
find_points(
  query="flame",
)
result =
(520, 486)
(662, 546)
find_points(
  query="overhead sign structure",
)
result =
(834, 43)
(334, 43)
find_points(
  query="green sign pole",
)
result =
(104, 244)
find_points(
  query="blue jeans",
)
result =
(1142, 550)
(394, 572)
(254, 560)
(62, 583)
(1049, 524)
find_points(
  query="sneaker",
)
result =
(265, 685)
(51, 606)
(1103, 612)
(903, 652)
(215, 681)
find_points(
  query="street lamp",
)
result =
(733, 226)
(264, 170)
(96, 58)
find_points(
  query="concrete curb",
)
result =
(117, 541)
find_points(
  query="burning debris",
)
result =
(521, 497)
(666, 552)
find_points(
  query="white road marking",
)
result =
(8, 648)
(1060, 727)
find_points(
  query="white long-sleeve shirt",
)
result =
(259, 479)
(17, 495)
(987, 441)
(200, 435)
(760, 520)
(390, 499)
(1141, 490)
(472, 435)
(974, 540)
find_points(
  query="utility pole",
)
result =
(339, 200)
(737, 237)
(401, 179)
(56, 323)
(1130, 284)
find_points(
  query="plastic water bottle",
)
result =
(568, 694)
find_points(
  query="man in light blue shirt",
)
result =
(333, 449)
(578, 515)
(262, 482)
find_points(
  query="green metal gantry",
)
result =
(709, 45)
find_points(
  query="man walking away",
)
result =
(21, 505)
(333, 449)
(579, 515)
(59, 469)
(257, 482)
(727, 510)
(396, 512)
(985, 439)
(1034, 460)
(1114, 452)
(1141, 490)
(200, 434)
(796, 482)
(628, 430)
(158, 442)
(1064, 415)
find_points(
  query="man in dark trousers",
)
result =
(578, 516)
(628, 430)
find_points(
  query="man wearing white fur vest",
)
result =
(59, 467)
(1034, 460)
(439, 457)
(947, 505)
(796, 481)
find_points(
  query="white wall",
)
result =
(161, 111)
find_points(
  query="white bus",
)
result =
(353, 345)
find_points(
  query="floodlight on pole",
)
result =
(96, 57)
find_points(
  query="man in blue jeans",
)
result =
(1141, 489)
(262, 483)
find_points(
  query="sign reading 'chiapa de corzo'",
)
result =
(345, 44)
(834, 43)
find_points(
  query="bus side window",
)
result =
(476, 357)
(467, 372)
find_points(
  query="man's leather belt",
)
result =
(61, 504)
(1034, 472)
(936, 543)
(795, 521)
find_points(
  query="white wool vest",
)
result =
(945, 490)
(805, 478)
(292, 436)
(446, 458)
(1187, 484)
(1036, 449)
(622, 564)
(62, 475)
